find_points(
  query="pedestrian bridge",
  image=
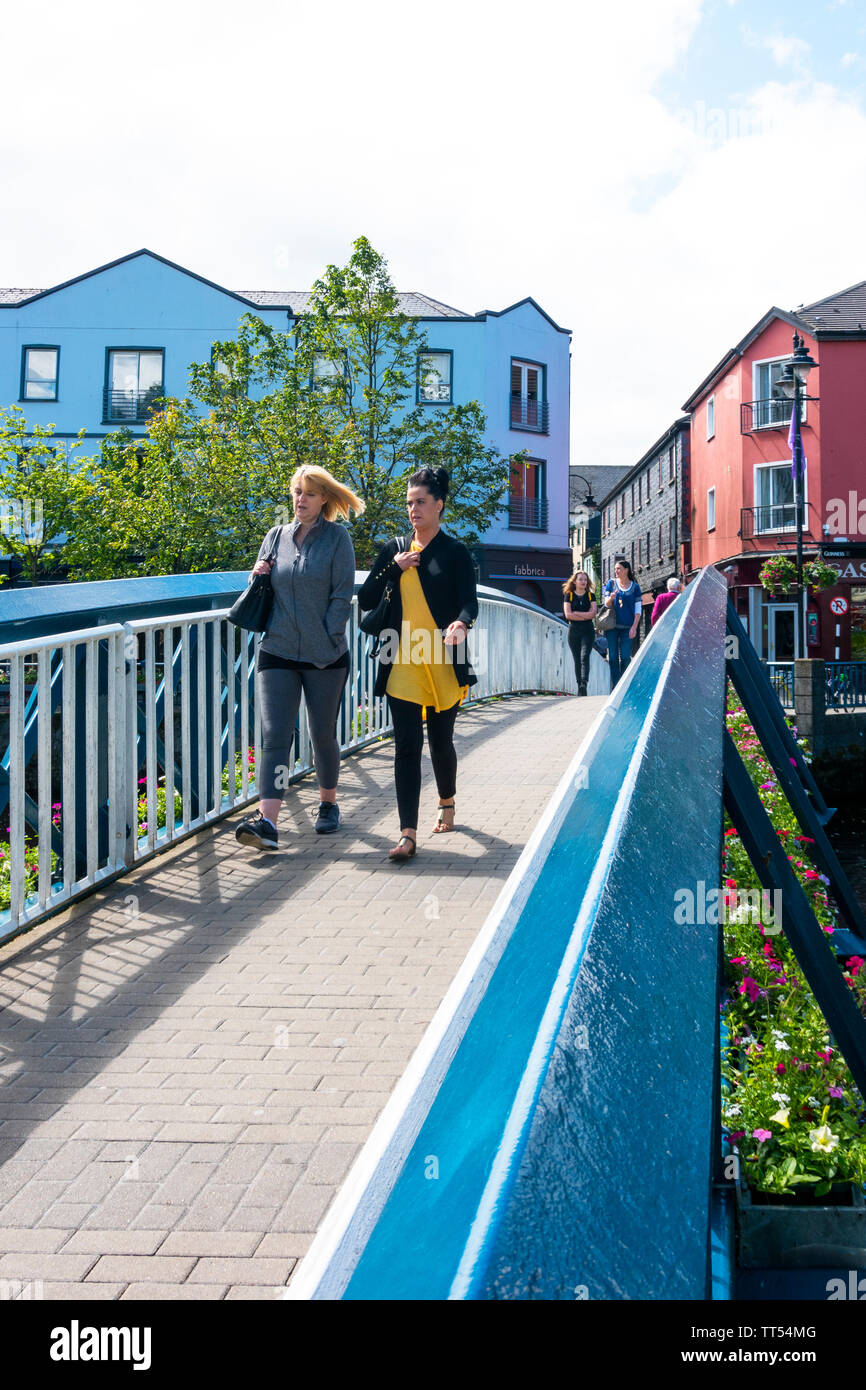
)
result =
(195, 1040)
(492, 1072)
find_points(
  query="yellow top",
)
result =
(422, 672)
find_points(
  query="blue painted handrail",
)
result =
(553, 1136)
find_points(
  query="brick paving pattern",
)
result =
(191, 1061)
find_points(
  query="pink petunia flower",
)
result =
(762, 1135)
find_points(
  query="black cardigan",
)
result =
(447, 577)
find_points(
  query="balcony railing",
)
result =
(129, 406)
(527, 514)
(763, 521)
(778, 519)
(773, 413)
(528, 413)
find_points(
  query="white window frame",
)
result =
(756, 396)
(711, 493)
(711, 417)
(759, 468)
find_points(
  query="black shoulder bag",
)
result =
(252, 609)
(375, 622)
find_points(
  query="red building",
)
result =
(742, 497)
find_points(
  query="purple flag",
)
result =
(793, 439)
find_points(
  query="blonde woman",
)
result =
(305, 649)
(580, 608)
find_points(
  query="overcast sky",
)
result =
(656, 174)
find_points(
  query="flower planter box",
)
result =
(799, 1232)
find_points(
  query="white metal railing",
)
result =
(135, 735)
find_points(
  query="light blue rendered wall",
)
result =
(139, 303)
(143, 302)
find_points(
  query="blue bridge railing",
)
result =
(555, 1134)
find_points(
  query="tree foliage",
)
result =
(212, 473)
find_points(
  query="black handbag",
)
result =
(252, 609)
(375, 622)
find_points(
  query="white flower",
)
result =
(823, 1140)
(777, 1033)
(733, 1110)
(781, 1097)
(812, 1101)
(781, 1046)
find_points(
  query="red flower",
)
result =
(780, 1068)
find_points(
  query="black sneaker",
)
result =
(257, 832)
(328, 819)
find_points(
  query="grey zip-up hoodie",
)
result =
(313, 590)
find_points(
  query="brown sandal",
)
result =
(443, 823)
(398, 854)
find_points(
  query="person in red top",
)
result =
(665, 600)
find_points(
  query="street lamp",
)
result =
(581, 512)
(792, 383)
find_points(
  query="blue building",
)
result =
(95, 351)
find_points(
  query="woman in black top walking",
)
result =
(423, 662)
(580, 608)
(304, 649)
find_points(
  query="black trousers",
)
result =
(408, 743)
(581, 637)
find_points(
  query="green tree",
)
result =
(39, 491)
(212, 473)
(340, 391)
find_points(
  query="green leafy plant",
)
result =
(777, 574)
(790, 1106)
(819, 576)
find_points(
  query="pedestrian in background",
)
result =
(664, 600)
(580, 607)
(623, 595)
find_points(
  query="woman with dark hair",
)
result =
(426, 673)
(623, 594)
(580, 607)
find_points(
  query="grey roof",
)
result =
(602, 478)
(15, 296)
(844, 312)
(411, 303)
(415, 305)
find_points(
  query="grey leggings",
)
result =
(279, 701)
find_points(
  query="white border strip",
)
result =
(326, 1269)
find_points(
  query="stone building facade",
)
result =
(646, 516)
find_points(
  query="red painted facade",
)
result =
(735, 462)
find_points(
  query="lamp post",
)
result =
(792, 384)
(586, 503)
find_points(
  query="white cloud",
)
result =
(849, 59)
(489, 151)
(787, 50)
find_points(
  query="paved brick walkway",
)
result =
(189, 1063)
